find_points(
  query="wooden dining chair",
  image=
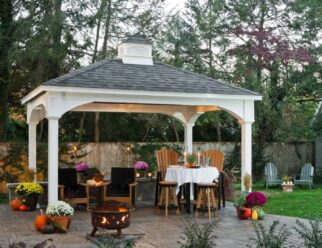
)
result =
(166, 157)
(217, 160)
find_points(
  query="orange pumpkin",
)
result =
(41, 221)
(16, 203)
(23, 207)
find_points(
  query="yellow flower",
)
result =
(29, 189)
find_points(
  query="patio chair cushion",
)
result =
(68, 178)
(122, 177)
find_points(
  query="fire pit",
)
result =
(111, 215)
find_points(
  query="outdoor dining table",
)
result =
(187, 176)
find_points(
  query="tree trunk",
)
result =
(55, 41)
(97, 127)
(107, 28)
(175, 131)
(81, 127)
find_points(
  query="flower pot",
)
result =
(244, 213)
(31, 202)
(64, 221)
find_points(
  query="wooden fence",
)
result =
(288, 157)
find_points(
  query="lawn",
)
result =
(302, 202)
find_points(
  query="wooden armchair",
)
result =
(271, 175)
(165, 157)
(73, 193)
(122, 186)
(306, 177)
(217, 160)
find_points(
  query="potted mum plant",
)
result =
(29, 193)
(59, 213)
(80, 169)
(256, 201)
(140, 167)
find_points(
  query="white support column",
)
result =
(246, 149)
(32, 146)
(52, 159)
(188, 137)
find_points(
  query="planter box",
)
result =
(287, 187)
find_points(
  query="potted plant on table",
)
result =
(191, 160)
(59, 213)
(140, 167)
(29, 193)
(80, 169)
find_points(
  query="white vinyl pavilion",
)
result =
(135, 84)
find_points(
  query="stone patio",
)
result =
(159, 231)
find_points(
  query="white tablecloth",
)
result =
(184, 175)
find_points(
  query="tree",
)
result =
(7, 27)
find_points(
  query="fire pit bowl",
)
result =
(110, 215)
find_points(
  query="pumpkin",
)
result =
(41, 220)
(48, 229)
(16, 203)
(23, 207)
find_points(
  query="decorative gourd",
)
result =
(59, 227)
(260, 212)
(16, 203)
(254, 214)
(23, 207)
(48, 229)
(41, 221)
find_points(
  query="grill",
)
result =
(110, 215)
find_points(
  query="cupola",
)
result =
(136, 50)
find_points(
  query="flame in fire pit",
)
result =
(104, 220)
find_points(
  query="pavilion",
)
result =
(135, 83)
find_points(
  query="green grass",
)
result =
(302, 202)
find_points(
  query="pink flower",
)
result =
(81, 167)
(255, 199)
(141, 165)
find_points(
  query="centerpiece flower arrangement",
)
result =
(29, 193)
(81, 167)
(141, 167)
(250, 205)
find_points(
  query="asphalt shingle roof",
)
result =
(113, 74)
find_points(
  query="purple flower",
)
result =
(81, 167)
(255, 199)
(141, 165)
